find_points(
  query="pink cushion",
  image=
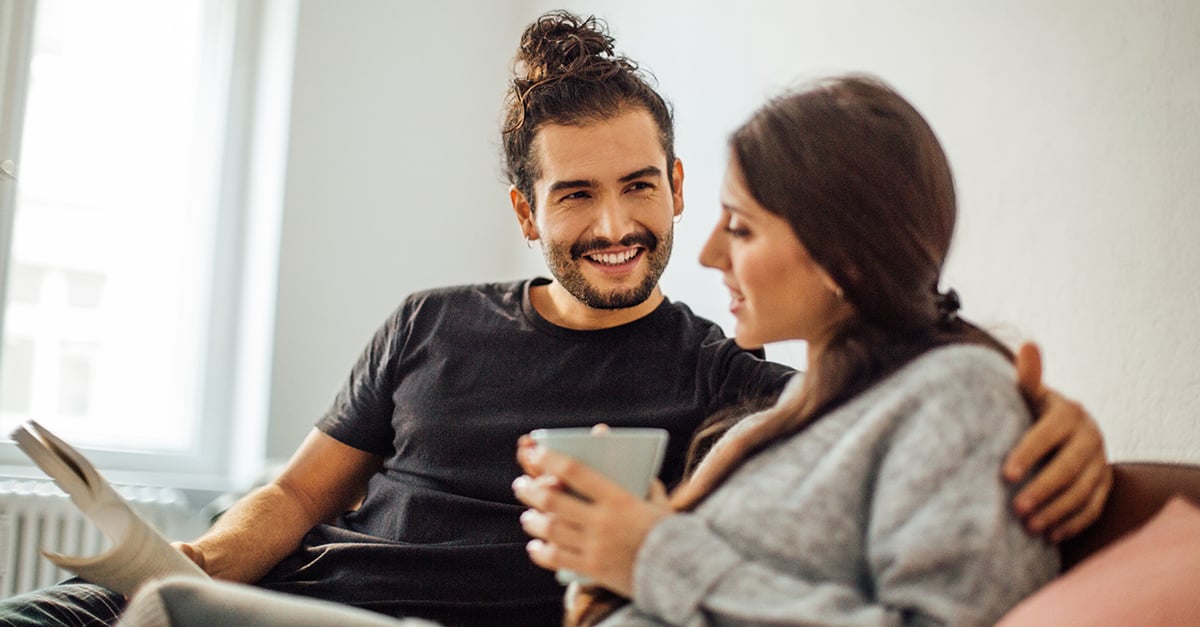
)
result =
(1149, 577)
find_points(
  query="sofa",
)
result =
(1139, 491)
(1138, 564)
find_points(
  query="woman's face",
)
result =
(777, 291)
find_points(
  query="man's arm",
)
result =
(323, 479)
(1067, 494)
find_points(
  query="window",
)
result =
(128, 224)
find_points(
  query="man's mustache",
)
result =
(644, 238)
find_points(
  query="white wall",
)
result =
(393, 181)
(1073, 128)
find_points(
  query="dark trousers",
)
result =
(73, 603)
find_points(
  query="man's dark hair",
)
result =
(567, 73)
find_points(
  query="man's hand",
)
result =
(1068, 492)
(191, 552)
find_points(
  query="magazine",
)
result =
(139, 552)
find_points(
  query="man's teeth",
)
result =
(614, 259)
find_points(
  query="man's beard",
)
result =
(564, 262)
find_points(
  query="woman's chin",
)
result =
(746, 341)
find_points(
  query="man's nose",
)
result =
(613, 221)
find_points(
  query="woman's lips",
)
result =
(736, 300)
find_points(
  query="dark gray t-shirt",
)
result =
(443, 391)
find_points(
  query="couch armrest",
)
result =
(1140, 489)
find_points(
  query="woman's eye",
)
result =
(735, 229)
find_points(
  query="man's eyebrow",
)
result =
(646, 172)
(575, 184)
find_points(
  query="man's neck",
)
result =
(557, 305)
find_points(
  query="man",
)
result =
(399, 501)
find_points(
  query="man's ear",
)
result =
(677, 186)
(524, 212)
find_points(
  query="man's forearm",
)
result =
(254, 535)
(323, 479)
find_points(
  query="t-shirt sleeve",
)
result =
(361, 414)
(738, 376)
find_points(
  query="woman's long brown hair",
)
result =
(861, 178)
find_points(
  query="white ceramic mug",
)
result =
(630, 456)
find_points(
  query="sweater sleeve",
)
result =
(941, 546)
(945, 545)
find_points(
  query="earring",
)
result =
(837, 291)
(528, 242)
(677, 219)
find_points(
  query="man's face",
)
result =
(604, 208)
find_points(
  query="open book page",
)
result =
(139, 553)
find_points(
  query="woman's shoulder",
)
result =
(965, 388)
(956, 366)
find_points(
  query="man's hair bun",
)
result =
(563, 45)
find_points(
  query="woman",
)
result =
(868, 494)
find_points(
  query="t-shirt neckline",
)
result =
(542, 324)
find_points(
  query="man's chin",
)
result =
(616, 300)
(623, 297)
(603, 293)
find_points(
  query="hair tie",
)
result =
(948, 305)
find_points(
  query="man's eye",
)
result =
(640, 186)
(575, 196)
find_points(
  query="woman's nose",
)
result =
(714, 255)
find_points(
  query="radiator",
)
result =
(36, 515)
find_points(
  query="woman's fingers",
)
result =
(551, 528)
(583, 522)
(547, 494)
(526, 444)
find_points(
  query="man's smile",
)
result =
(615, 258)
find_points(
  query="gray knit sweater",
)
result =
(888, 511)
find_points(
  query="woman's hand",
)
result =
(580, 520)
(1068, 493)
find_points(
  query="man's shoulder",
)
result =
(504, 291)
(678, 313)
